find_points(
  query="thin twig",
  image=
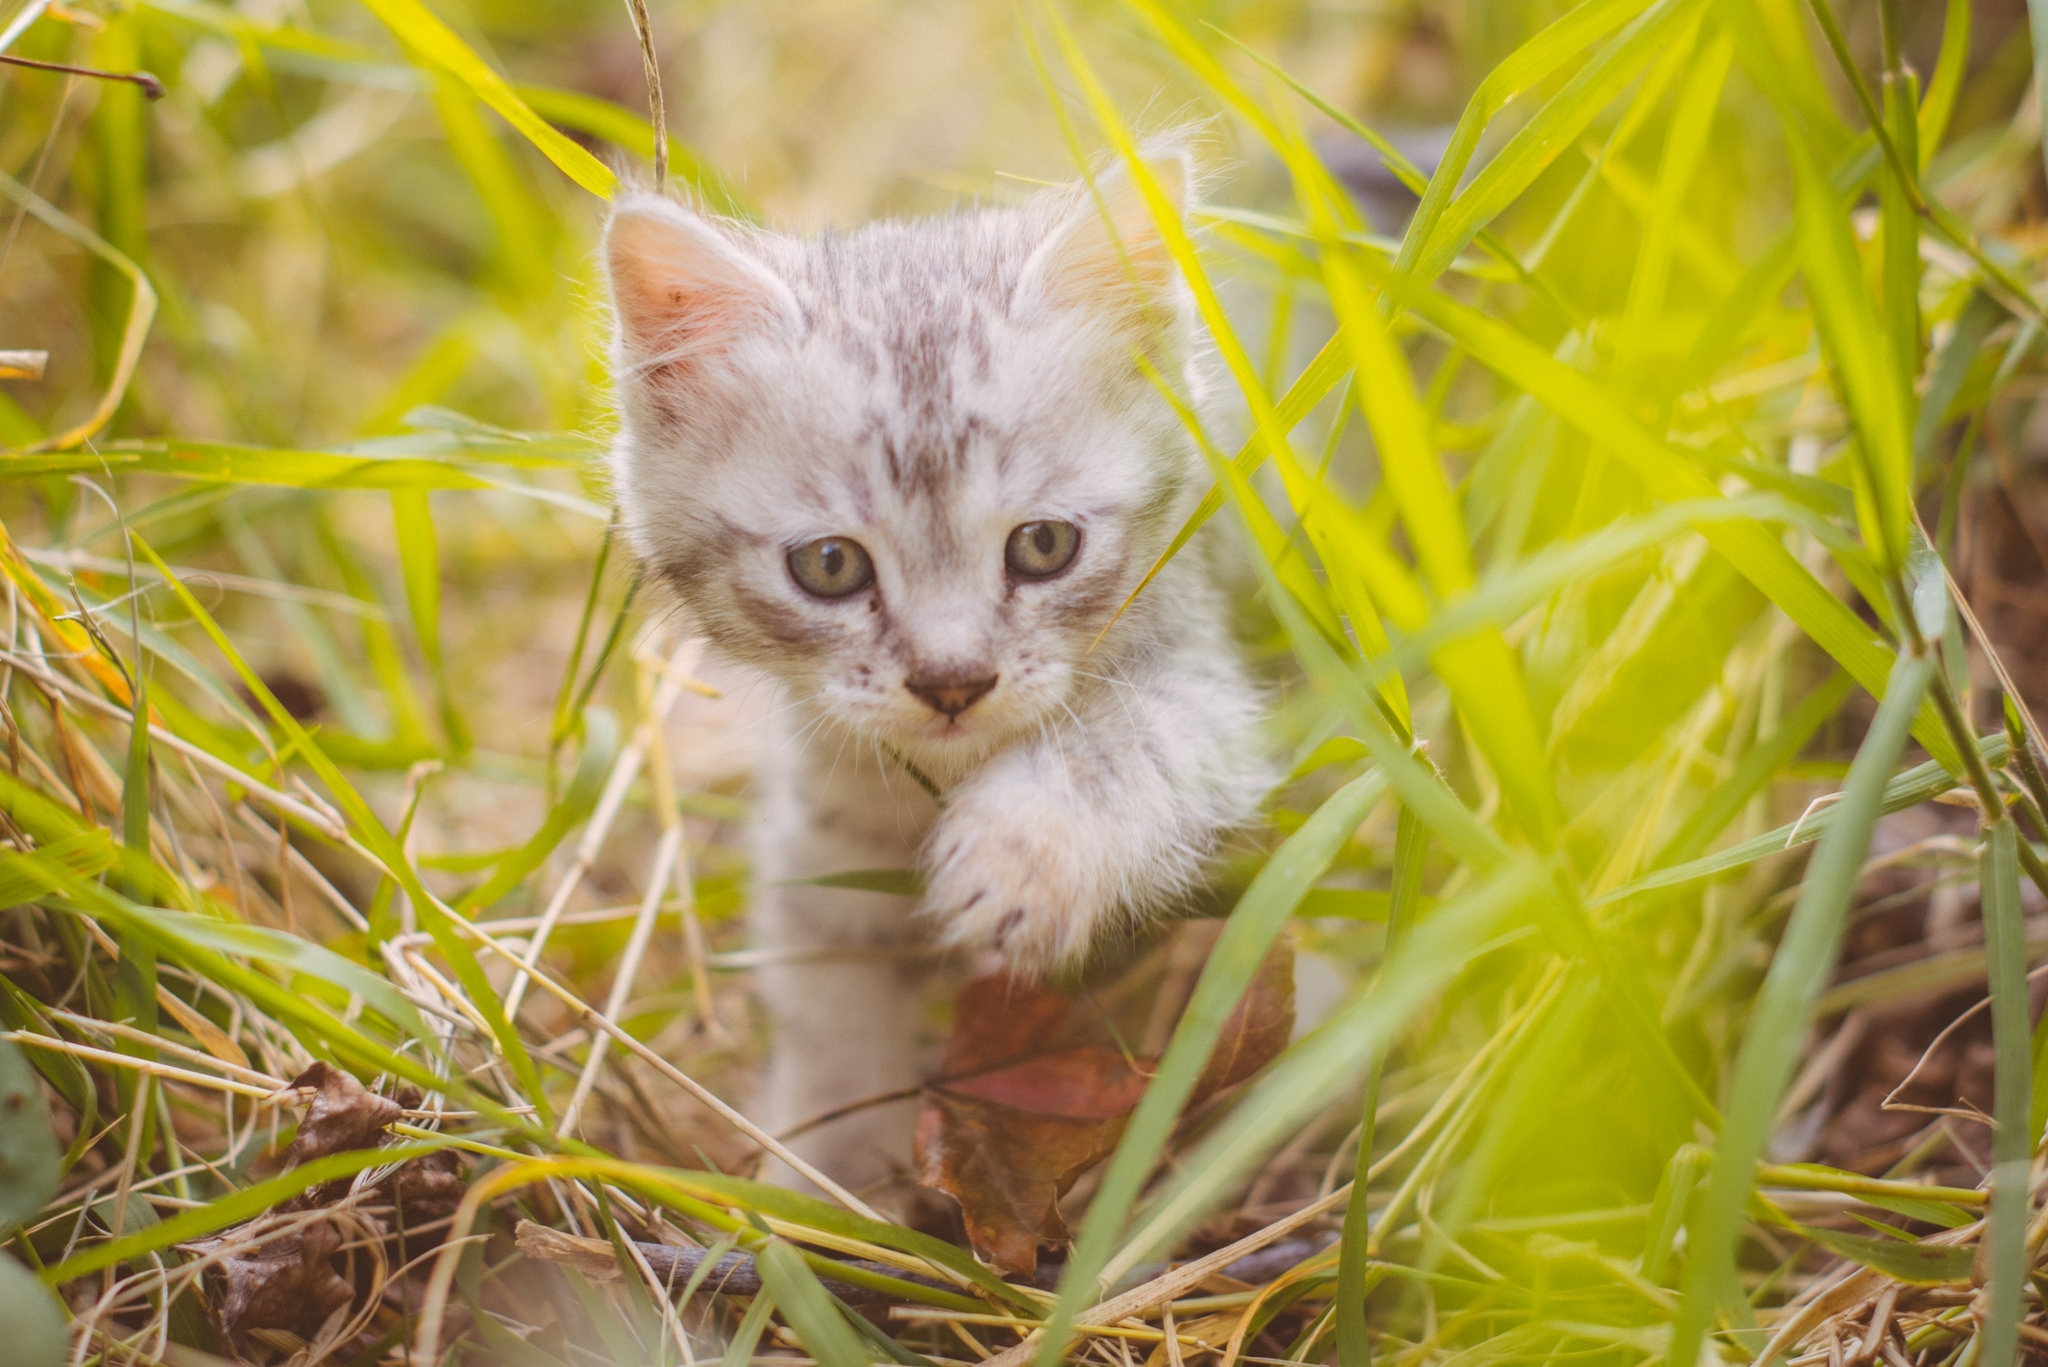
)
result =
(152, 88)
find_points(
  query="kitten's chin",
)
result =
(956, 737)
(947, 743)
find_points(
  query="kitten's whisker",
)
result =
(844, 736)
(1123, 700)
(1107, 678)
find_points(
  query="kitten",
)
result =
(910, 473)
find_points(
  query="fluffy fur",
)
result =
(924, 388)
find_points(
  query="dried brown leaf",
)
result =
(288, 1282)
(343, 1115)
(1034, 1089)
(1257, 1030)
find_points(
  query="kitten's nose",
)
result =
(949, 694)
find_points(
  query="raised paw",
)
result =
(1024, 884)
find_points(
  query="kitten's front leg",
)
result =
(1105, 819)
(842, 970)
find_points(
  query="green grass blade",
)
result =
(142, 301)
(1283, 552)
(1753, 551)
(419, 562)
(2014, 1137)
(1411, 847)
(808, 1307)
(622, 127)
(1899, 233)
(437, 45)
(1566, 38)
(1553, 129)
(1254, 924)
(230, 1209)
(1299, 1080)
(1765, 278)
(1483, 674)
(517, 221)
(136, 974)
(1777, 1027)
(1947, 83)
(2037, 23)
(1757, 766)
(740, 1352)
(1921, 783)
(1322, 374)
(1857, 344)
(601, 747)
(379, 840)
(1685, 145)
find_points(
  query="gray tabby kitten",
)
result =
(910, 473)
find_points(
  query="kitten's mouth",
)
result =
(949, 729)
(970, 730)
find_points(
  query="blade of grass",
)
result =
(137, 970)
(1566, 38)
(1757, 766)
(1554, 127)
(1354, 1348)
(809, 1308)
(740, 1352)
(2037, 24)
(1273, 1109)
(1777, 1027)
(141, 312)
(1940, 103)
(1254, 924)
(601, 748)
(2013, 1137)
(419, 561)
(1921, 783)
(1899, 234)
(1482, 673)
(433, 43)
(1685, 145)
(520, 258)
(230, 1209)
(1323, 372)
(1862, 356)
(380, 842)
(1753, 551)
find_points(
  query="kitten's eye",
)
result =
(1040, 550)
(831, 567)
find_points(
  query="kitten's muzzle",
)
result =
(949, 695)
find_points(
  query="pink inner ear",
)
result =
(679, 286)
(1111, 252)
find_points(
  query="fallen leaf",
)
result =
(343, 1115)
(423, 1195)
(288, 1282)
(259, 1279)
(1034, 1089)
(1256, 1031)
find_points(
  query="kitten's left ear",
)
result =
(1108, 253)
(682, 288)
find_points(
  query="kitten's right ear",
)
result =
(1108, 254)
(681, 288)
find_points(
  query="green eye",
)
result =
(1040, 550)
(831, 567)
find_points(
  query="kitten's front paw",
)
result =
(1016, 880)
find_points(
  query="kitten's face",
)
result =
(912, 472)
